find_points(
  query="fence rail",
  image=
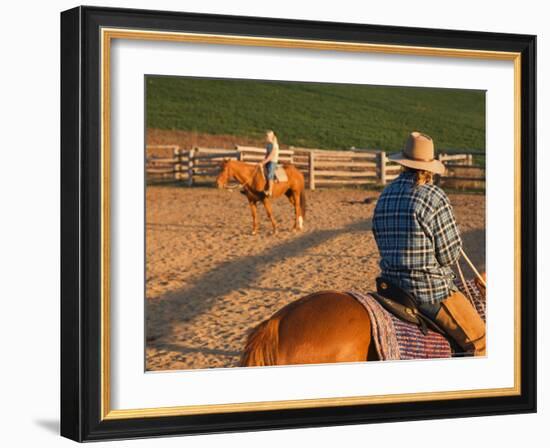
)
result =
(320, 167)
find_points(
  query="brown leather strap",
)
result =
(402, 312)
(408, 314)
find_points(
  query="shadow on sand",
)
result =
(186, 304)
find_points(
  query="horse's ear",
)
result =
(224, 162)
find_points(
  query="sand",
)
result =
(209, 281)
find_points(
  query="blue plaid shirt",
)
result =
(418, 238)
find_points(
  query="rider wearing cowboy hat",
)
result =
(418, 239)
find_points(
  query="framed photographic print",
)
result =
(275, 223)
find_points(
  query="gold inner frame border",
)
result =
(107, 35)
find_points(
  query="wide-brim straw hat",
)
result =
(419, 154)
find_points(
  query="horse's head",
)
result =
(225, 174)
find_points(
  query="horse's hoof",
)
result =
(254, 232)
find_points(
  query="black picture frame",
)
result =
(81, 209)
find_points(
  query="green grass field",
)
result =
(332, 116)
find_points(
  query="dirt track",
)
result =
(208, 281)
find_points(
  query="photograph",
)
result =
(291, 223)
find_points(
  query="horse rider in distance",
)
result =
(271, 159)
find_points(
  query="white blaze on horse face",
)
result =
(300, 222)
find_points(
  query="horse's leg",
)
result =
(254, 210)
(269, 211)
(289, 194)
(298, 221)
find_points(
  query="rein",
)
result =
(234, 187)
(463, 280)
(478, 275)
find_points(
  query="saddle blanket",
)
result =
(280, 174)
(395, 339)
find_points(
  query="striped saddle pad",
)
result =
(396, 339)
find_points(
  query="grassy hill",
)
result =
(318, 115)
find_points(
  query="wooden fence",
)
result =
(162, 167)
(328, 168)
(321, 168)
(461, 171)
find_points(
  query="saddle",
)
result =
(280, 174)
(403, 305)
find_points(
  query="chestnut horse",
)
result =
(323, 327)
(253, 186)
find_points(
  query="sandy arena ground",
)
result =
(209, 281)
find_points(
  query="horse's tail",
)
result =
(303, 203)
(262, 343)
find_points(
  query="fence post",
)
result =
(382, 159)
(190, 164)
(177, 166)
(312, 170)
(437, 177)
(470, 160)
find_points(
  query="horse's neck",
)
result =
(243, 172)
